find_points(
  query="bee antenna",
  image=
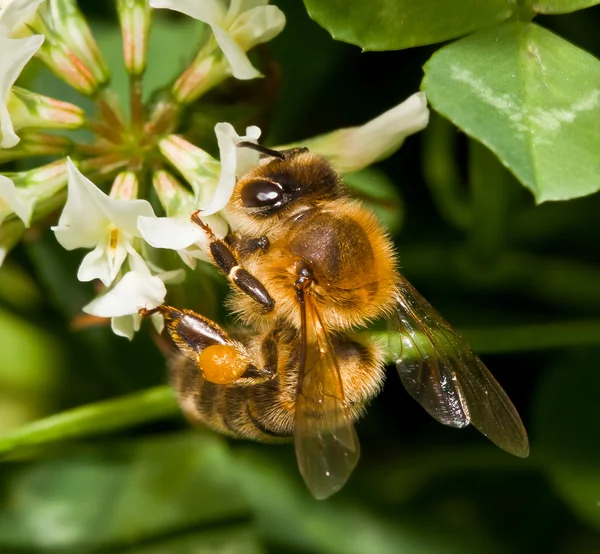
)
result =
(261, 149)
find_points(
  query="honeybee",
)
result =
(309, 267)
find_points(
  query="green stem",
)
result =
(136, 103)
(503, 339)
(441, 173)
(100, 417)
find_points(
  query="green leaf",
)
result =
(561, 6)
(532, 98)
(396, 24)
(122, 494)
(567, 427)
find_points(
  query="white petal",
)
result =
(126, 325)
(94, 266)
(136, 262)
(234, 161)
(133, 292)
(246, 157)
(15, 14)
(257, 25)
(89, 213)
(82, 223)
(14, 54)
(354, 148)
(174, 233)
(18, 200)
(212, 12)
(159, 322)
(241, 68)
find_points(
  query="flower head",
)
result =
(93, 220)
(137, 289)
(236, 28)
(142, 152)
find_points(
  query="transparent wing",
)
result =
(439, 370)
(327, 447)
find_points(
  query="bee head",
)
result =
(291, 178)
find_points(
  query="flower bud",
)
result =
(22, 192)
(70, 49)
(135, 17)
(63, 62)
(209, 68)
(199, 168)
(125, 186)
(69, 23)
(28, 109)
(173, 197)
(36, 144)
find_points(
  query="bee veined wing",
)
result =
(439, 370)
(326, 444)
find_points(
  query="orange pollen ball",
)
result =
(222, 364)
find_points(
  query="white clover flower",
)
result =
(137, 289)
(176, 231)
(237, 29)
(14, 54)
(15, 200)
(22, 192)
(354, 148)
(91, 219)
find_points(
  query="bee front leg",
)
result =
(225, 258)
(222, 360)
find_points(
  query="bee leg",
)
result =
(226, 259)
(221, 360)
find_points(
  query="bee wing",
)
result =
(441, 372)
(326, 444)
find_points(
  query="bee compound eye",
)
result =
(261, 193)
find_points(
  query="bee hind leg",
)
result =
(220, 359)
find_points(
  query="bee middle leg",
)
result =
(219, 358)
(226, 259)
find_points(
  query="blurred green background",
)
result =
(522, 282)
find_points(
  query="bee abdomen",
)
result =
(229, 410)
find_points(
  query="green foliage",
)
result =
(519, 99)
(393, 24)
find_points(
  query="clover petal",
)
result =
(234, 162)
(133, 292)
(14, 55)
(15, 200)
(212, 12)
(91, 219)
(16, 14)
